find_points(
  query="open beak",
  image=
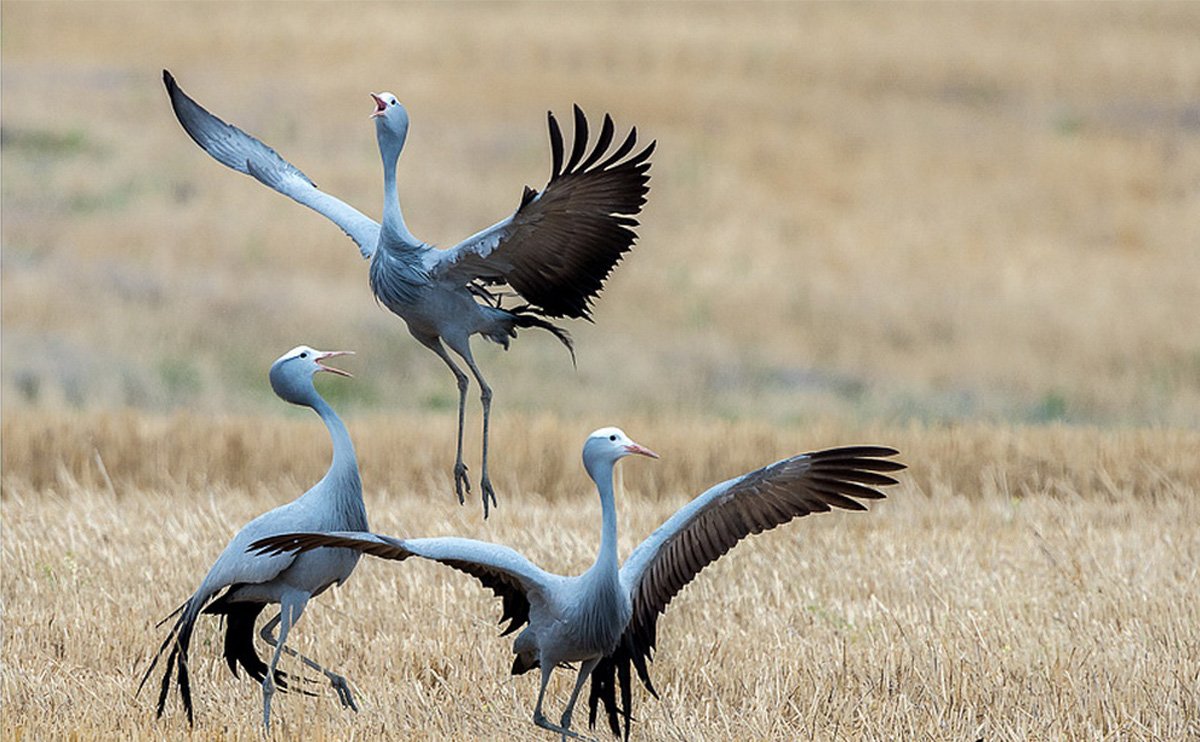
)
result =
(380, 106)
(640, 450)
(333, 354)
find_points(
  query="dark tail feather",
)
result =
(239, 642)
(166, 681)
(162, 647)
(626, 696)
(178, 639)
(611, 674)
(171, 615)
(529, 316)
(182, 644)
(602, 690)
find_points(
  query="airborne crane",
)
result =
(555, 250)
(606, 618)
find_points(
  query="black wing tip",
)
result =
(277, 544)
(874, 453)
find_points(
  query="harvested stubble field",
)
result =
(968, 231)
(1023, 584)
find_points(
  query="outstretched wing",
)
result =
(509, 575)
(710, 525)
(561, 243)
(236, 149)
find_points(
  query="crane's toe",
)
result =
(345, 697)
(489, 495)
(462, 485)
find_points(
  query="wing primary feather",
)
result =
(580, 143)
(606, 134)
(556, 146)
(624, 149)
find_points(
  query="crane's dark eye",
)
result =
(304, 355)
(612, 437)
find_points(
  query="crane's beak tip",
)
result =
(641, 450)
(333, 354)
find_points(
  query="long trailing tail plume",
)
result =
(238, 649)
(179, 638)
(530, 316)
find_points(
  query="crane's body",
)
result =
(251, 582)
(555, 250)
(606, 618)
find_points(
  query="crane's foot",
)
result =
(345, 697)
(489, 495)
(462, 485)
(541, 721)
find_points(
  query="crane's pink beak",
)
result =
(380, 106)
(333, 354)
(640, 450)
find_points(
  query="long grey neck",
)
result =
(344, 468)
(606, 558)
(394, 228)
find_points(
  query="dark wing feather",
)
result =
(504, 583)
(560, 245)
(240, 617)
(503, 586)
(711, 525)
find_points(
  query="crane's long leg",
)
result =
(462, 484)
(540, 719)
(291, 605)
(345, 697)
(485, 397)
(585, 669)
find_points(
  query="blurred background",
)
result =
(873, 212)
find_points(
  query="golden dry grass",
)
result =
(1021, 584)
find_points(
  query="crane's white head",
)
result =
(607, 446)
(391, 122)
(291, 375)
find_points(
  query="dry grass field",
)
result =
(966, 230)
(1034, 584)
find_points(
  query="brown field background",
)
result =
(970, 231)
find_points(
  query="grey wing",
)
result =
(238, 150)
(559, 246)
(235, 565)
(713, 523)
(509, 575)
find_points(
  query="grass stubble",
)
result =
(1020, 584)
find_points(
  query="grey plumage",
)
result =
(239, 585)
(606, 619)
(555, 250)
